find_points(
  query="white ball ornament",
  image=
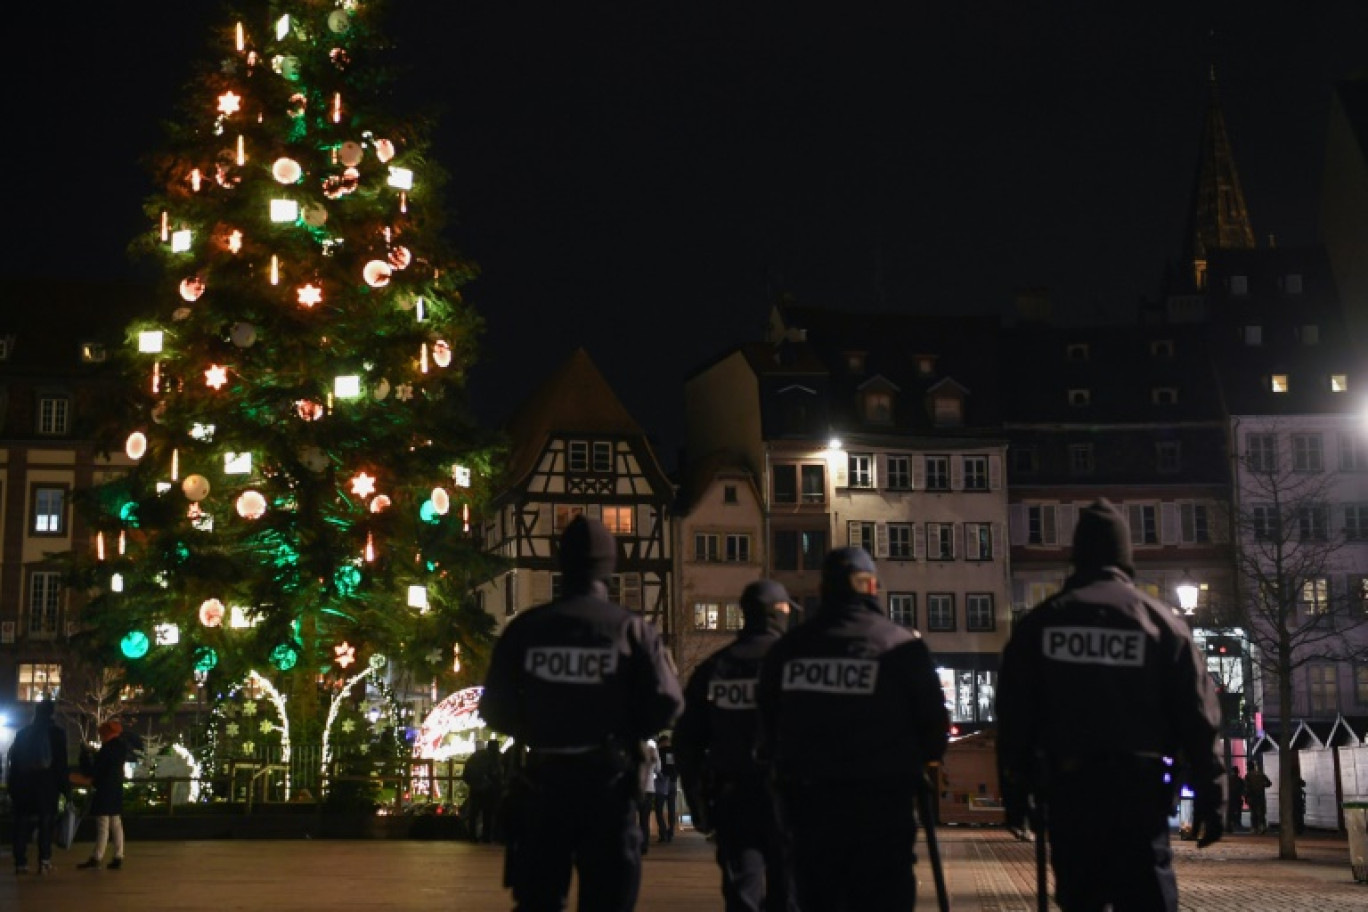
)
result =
(400, 257)
(315, 215)
(195, 487)
(191, 288)
(377, 273)
(441, 501)
(350, 154)
(286, 170)
(384, 150)
(136, 445)
(243, 335)
(338, 21)
(251, 505)
(211, 612)
(441, 353)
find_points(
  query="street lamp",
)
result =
(1187, 597)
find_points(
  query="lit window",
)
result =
(49, 511)
(1339, 383)
(38, 681)
(92, 352)
(707, 615)
(926, 366)
(861, 470)
(564, 515)
(732, 616)
(1278, 383)
(619, 520)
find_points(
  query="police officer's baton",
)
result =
(932, 848)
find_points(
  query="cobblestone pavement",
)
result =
(986, 871)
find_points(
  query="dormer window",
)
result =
(926, 365)
(1076, 351)
(878, 407)
(1278, 383)
(1292, 283)
(1161, 348)
(1164, 395)
(1080, 397)
(1310, 334)
(855, 362)
(1239, 285)
(92, 353)
(947, 410)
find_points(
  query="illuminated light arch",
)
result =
(276, 699)
(196, 771)
(449, 729)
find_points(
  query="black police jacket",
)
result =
(578, 673)
(715, 736)
(851, 696)
(1100, 672)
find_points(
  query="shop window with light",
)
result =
(1356, 522)
(861, 470)
(577, 456)
(940, 611)
(1339, 383)
(1313, 523)
(975, 473)
(978, 541)
(706, 546)
(899, 473)
(620, 520)
(707, 615)
(940, 541)
(603, 456)
(1194, 523)
(1263, 521)
(878, 407)
(44, 604)
(39, 681)
(1306, 453)
(1278, 383)
(49, 511)
(814, 484)
(861, 535)
(902, 608)
(738, 548)
(900, 541)
(565, 514)
(1314, 595)
(785, 484)
(978, 612)
(1143, 522)
(625, 590)
(1168, 457)
(1081, 459)
(54, 413)
(1323, 689)
(937, 473)
(1261, 452)
(1353, 453)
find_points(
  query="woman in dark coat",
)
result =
(107, 778)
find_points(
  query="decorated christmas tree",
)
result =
(303, 465)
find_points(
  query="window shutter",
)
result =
(918, 541)
(842, 475)
(996, 541)
(880, 470)
(853, 534)
(1170, 526)
(957, 473)
(881, 540)
(918, 465)
(1017, 523)
(994, 471)
(1068, 518)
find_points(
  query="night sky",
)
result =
(642, 178)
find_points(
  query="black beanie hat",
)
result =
(44, 710)
(1102, 539)
(758, 601)
(588, 550)
(837, 569)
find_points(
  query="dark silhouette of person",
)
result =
(37, 777)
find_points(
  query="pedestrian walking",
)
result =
(851, 712)
(581, 682)
(37, 777)
(1235, 792)
(666, 790)
(646, 776)
(1099, 685)
(106, 776)
(1257, 785)
(727, 791)
(483, 776)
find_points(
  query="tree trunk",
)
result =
(1287, 765)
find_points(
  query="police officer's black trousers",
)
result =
(577, 812)
(1109, 841)
(852, 845)
(751, 849)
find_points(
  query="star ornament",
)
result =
(229, 103)
(249, 709)
(348, 726)
(216, 376)
(362, 485)
(345, 653)
(267, 726)
(310, 296)
(232, 729)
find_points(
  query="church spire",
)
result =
(1219, 219)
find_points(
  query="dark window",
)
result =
(785, 484)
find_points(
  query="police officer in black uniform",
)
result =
(580, 682)
(851, 711)
(727, 790)
(1101, 690)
